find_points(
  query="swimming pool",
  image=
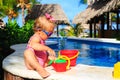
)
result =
(92, 52)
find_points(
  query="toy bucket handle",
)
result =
(66, 58)
(75, 55)
(71, 57)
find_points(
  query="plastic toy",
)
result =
(66, 58)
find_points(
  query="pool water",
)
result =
(91, 52)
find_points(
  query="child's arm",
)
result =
(37, 46)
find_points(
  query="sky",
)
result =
(70, 7)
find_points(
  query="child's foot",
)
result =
(45, 74)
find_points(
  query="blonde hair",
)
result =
(41, 23)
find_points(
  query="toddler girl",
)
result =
(37, 53)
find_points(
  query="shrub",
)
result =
(17, 34)
(25, 32)
(14, 34)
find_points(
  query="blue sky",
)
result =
(70, 7)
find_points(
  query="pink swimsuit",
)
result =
(41, 55)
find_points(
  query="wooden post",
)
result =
(117, 20)
(108, 21)
(102, 25)
(95, 27)
(90, 29)
(57, 31)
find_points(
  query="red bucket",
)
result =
(71, 54)
(59, 67)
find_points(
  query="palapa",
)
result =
(96, 9)
(54, 10)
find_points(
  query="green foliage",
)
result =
(73, 31)
(11, 34)
(26, 31)
(17, 34)
(65, 32)
(62, 32)
(77, 30)
(6, 5)
(83, 1)
(12, 29)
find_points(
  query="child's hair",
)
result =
(42, 22)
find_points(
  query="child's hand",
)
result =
(51, 57)
(52, 54)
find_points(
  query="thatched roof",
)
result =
(96, 9)
(54, 10)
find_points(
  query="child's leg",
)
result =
(33, 63)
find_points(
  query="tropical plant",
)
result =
(78, 29)
(67, 32)
(8, 7)
(18, 34)
(73, 31)
(12, 29)
(114, 17)
(25, 4)
(11, 34)
(62, 32)
(11, 8)
(83, 1)
(26, 31)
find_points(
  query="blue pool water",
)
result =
(91, 52)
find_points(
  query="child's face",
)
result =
(47, 33)
(47, 27)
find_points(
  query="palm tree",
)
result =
(83, 1)
(8, 7)
(72, 31)
(25, 4)
(89, 2)
(78, 29)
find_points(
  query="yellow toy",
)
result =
(116, 73)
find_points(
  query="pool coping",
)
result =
(106, 40)
(78, 72)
